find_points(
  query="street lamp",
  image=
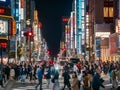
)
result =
(30, 34)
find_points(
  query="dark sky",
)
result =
(50, 15)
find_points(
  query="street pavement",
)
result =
(17, 85)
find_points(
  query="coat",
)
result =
(74, 84)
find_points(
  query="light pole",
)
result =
(29, 37)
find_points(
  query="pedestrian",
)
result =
(87, 80)
(12, 73)
(39, 76)
(47, 75)
(7, 71)
(34, 74)
(114, 79)
(66, 77)
(30, 71)
(1, 79)
(75, 82)
(23, 74)
(97, 80)
(56, 80)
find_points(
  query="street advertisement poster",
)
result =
(3, 28)
(98, 47)
(113, 44)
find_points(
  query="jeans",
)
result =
(47, 83)
(56, 85)
(39, 83)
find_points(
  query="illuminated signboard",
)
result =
(5, 11)
(3, 28)
(5, 2)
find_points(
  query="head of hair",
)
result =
(75, 74)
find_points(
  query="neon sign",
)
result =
(2, 11)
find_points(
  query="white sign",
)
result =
(3, 0)
(3, 27)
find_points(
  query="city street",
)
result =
(17, 85)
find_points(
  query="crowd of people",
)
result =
(85, 75)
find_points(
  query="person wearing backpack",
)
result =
(66, 77)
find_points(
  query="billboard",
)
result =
(3, 29)
(114, 43)
(5, 2)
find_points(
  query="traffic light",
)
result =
(29, 33)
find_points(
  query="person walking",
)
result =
(47, 74)
(66, 77)
(56, 80)
(97, 80)
(75, 82)
(39, 76)
(23, 74)
(12, 73)
(114, 79)
(1, 79)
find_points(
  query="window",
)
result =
(108, 11)
(105, 11)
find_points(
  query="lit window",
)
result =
(105, 11)
(110, 11)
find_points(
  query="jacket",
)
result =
(74, 84)
(97, 81)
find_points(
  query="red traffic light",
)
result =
(29, 33)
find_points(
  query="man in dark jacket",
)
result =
(97, 81)
(47, 75)
(66, 80)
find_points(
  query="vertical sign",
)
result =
(98, 47)
(119, 26)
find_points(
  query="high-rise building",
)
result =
(79, 9)
(101, 24)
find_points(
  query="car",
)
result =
(74, 60)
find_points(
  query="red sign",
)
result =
(22, 3)
(5, 10)
(2, 11)
(3, 45)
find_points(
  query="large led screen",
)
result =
(3, 28)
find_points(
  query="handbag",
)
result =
(52, 80)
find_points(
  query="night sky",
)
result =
(50, 15)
